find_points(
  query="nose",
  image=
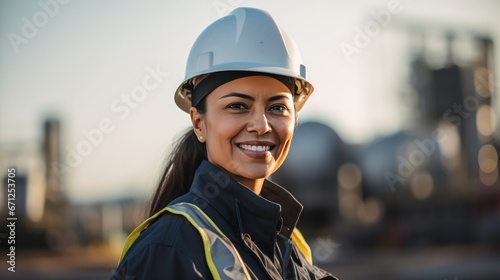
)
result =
(259, 123)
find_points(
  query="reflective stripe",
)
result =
(222, 257)
(301, 243)
(137, 231)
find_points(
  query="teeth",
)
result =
(255, 148)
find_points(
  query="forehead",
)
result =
(252, 85)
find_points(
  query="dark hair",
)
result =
(187, 154)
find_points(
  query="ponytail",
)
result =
(186, 156)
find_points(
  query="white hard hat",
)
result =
(247, 39)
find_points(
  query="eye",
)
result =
(237, 106)
(279, 108)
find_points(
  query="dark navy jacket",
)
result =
(259, 227)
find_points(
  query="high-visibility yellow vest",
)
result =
(222, 257)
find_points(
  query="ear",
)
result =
(198, 121)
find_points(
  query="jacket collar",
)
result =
(262, 216)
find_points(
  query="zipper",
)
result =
(286, 259)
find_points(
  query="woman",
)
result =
(244, 86)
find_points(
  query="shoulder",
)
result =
(170, 246)
(170, 230)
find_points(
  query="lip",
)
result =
(256, 154)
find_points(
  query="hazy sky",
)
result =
(76, 59)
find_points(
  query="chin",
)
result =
(258, 172)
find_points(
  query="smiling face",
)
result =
(248, 127)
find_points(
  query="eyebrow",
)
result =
(246, 96)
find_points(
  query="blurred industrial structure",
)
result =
(40, 205)
(436, 182)
(46, 218)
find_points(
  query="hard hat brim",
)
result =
(303, 89)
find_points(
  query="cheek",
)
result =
(287, 142)
(286, 129)
(221, 131)
(285, 132)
